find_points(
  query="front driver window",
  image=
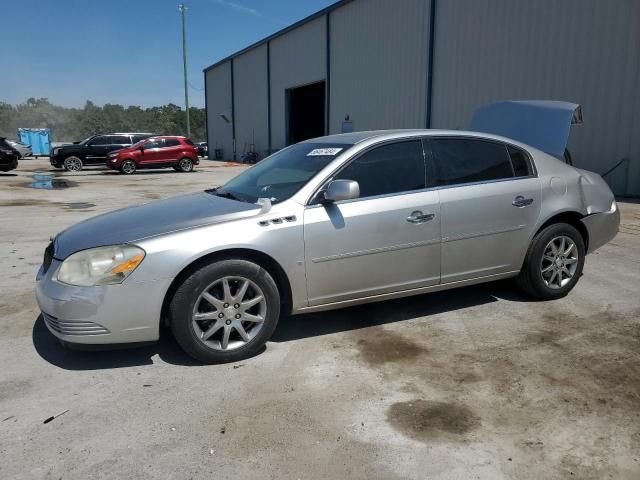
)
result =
(158, 143)
(393, 168)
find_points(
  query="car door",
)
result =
(97, 149)
(385, 241)
(489, 203)
(153, 153)
(171, 151)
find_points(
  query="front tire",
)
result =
(554, 262)
(72, 164)
(128, 167)
(185, 165)
(225, 311)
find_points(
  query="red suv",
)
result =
(155, 152)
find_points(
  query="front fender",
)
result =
(168, 255)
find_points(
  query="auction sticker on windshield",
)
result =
(324, 152)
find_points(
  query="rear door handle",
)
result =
(419, 217)
(520, 201)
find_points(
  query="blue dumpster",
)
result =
(38, 138)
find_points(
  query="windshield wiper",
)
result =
(219, 193)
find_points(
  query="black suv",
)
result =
(92, 150)
(8, 156)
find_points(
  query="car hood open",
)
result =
(543, 124)
(156, 218)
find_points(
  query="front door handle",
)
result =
(419, 217)
(520, 201)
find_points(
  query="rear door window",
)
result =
(171, 142)
(460, 161)
(392, 168)
(120, 140)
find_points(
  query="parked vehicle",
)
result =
(22, 149)
(92, 150)
(155, 152)
(8, 156)
(324, 224)
(203, 149)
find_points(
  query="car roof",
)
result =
(381, 135)
(130, 133)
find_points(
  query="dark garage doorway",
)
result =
(305, 112)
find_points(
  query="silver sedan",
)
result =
(324, 224)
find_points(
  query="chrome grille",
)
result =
(73, 327)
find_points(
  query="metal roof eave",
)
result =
(279, 33)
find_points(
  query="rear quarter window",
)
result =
(521, 162)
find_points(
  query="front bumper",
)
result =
(602, 227)
(9, 165)
(112, 163)
(56, 160)
(125, 313)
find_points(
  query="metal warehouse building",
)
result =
(378, 64)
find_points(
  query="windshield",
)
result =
(139, 144)
(282, 174)
(84, 142)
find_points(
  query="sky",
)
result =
(127, 51)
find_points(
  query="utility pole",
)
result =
(182, 9)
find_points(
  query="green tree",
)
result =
(71, 124)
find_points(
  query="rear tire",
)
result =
(72, 164)
(128, 167)
(203, 294)
(554, 262)
(185, 165)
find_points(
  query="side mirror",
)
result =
(141, 148)
(338, 190)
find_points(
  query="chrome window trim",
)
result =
(427, 152)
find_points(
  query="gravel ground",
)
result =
(473, 383)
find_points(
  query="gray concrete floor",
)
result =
(475, 383)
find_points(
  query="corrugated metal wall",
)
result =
(379, 64)
(584, 51)
(218, 85)
(251, 100)
(297, 58)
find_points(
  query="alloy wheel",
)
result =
(229, 313)
(73, 164)
(559, 262)
(128, 167)
(186, 165)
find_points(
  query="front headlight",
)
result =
(100, 266)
